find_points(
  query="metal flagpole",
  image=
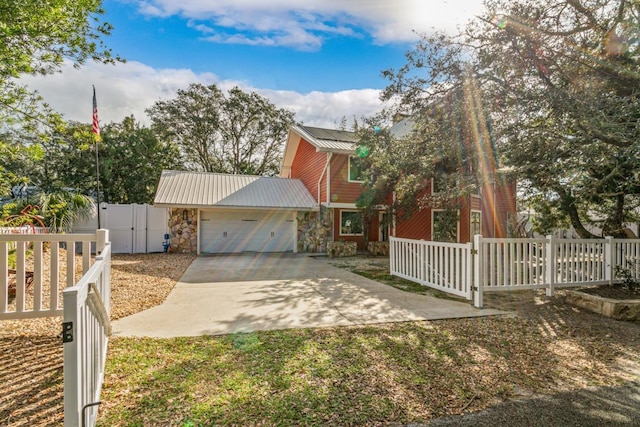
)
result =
(95, 128)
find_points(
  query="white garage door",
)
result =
(246, 231)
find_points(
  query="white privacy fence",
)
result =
(86, 330)
(490, 265)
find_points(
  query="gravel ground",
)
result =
(588, 349)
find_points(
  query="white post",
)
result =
(468, 274)
(102, 237)
(294, 231)
(392, 257)
(72, 360)
(550, 260)
(477, 271)
(608, 259)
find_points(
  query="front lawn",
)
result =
(368, 375)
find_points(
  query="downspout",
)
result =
(324, 171)
(326, 166)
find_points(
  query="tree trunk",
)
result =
(569, 207)
(613, 225)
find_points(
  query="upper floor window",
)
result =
(356, 169)
(444, 177)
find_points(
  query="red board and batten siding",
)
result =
(417, 226)
(342, 191)
(464, 222)
(505, 203)
(307, 166)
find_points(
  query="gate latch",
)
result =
(67, 332)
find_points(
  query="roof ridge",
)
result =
(218, 173)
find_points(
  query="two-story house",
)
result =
(325, 161)
(311, 204)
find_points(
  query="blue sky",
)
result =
(320, 58)
(340, 62)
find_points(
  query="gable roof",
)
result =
(324, 140)
(218, 190)
(330, 140)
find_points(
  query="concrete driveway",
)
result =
(226, 294)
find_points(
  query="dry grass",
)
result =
(31, 351)
(385, 371)
(387, 374)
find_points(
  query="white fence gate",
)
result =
(443, 266)
(133, 228)
(41, 249)
(493, 265)
(26, 292)
(86, 329)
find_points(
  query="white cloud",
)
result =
(326, 109)
(283, 22)
(130, 88)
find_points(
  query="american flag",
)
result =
(96, 124)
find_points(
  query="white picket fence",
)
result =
(86, 330)
(493, 265)
(443, 266)
(85, 305)
(16, 301)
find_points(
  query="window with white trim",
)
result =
(356, 169)
(476, 223)
(350, 223)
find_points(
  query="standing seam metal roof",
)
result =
(202, 189)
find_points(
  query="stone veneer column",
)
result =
(314, 230)
(183, 230)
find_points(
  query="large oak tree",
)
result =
(238, 133)
(552, 87)
(37, 37)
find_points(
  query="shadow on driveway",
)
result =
(246, 292)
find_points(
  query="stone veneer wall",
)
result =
(341, 249)
(314, 230)
(184, 233)
(378, 248)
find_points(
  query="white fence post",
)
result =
(477, 271)
(71, 352)
(550, 261)
(392, 266)
(102, 237)
(609, 261)
(85, 333)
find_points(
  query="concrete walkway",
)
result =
(247, 292)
